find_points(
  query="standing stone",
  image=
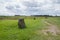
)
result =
(46, 17)
(21, 23)
(34, 18)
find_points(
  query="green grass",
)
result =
(54, 20)
(9, 30)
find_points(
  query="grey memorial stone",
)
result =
(21, 23)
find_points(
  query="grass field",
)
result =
(9, 29)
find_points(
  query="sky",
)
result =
(29, 7)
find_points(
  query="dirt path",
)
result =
(51, 29)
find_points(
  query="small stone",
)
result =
(34, 18)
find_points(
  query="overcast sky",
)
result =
(29, 7)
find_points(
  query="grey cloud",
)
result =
(12, 9)
(16, 9)
(4, 1)
(56, 1)
(17, 6)
(31, 4)
(33, 8)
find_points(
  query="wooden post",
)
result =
(21, 23)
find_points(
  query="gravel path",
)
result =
(52, 29)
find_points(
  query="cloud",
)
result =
(56, 1)
(30, 7)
